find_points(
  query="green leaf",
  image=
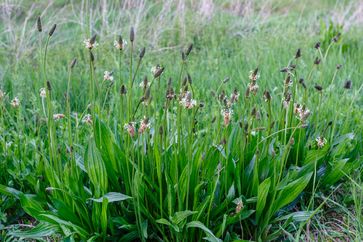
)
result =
(316, 155)
(210, 235)
(166, 222)
(144, 229)
(9, 191)
(38, 232)
(263, 190)
(289, 192)
(104, 216)
(31, 205)
(111, 197)
(239, 217)
(50, 218)
(335, 172)
(300, 216)
(105, 142)
(180, 217)
(96, 168)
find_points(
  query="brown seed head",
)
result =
(49, 86)
(51, 32)
(158, 72)
(302, 82)
(142, 53)
(189, 49)
(267, 96)
(318, 88)
(298, 53)
(348, 84)
(317, 61)
(336, 37)
(132, 34)
(317, 45)
(123, 90)
(73, 63)
(39, 24)
(93, 39)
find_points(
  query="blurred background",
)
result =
(231, 37)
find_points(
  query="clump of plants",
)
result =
(151, 158)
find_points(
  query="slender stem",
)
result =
(129, 101)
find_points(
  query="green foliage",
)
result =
(169, 160)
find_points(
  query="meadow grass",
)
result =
(223, 129)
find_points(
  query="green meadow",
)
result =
(182, 120)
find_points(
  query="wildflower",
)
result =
(170, 95)
(15, 103)
(90, 43)
(320, 142)
(301, 112)
(145, 83)
(227, 115)
(297, 108)
(157, 70)
(254, 75)
(58, 116)
(239, 205)
(339, 66)
(87, 119)
(286, 101)
(247, 94)
(120, 44)
(252, 88)
(267, 96)
(234, 96)
(130, 128)
(42, 92)
(222, 96)
(288, 81)
(187, 101)
(108, 76)
(144, 125)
